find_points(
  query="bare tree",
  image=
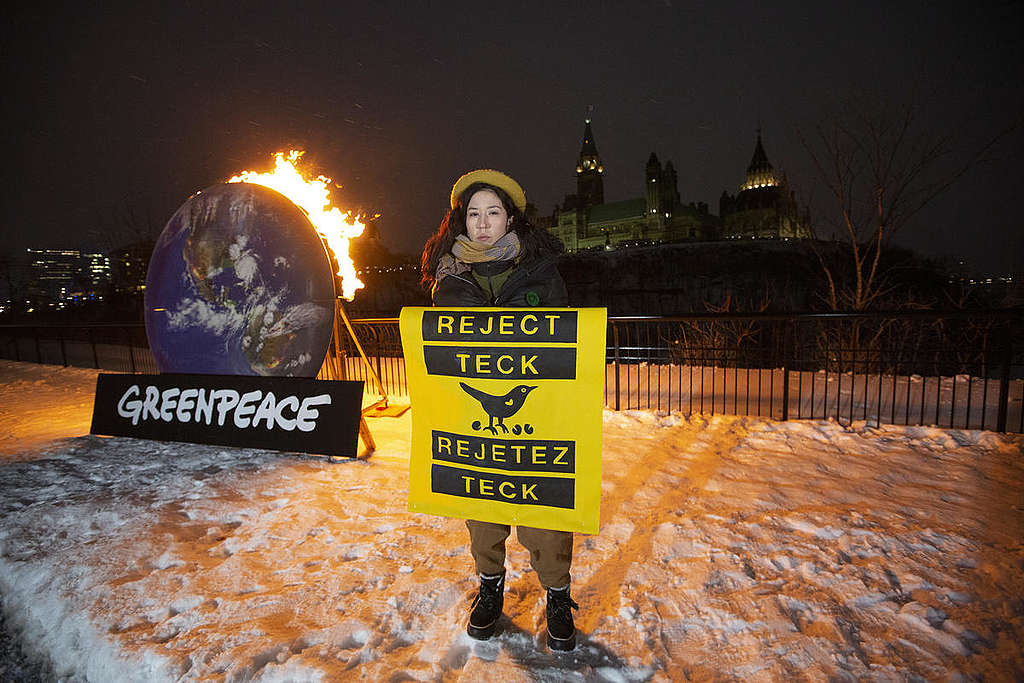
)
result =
(880, 169)
(15, 278)
(724, 342)
(122, 224)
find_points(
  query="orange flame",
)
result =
(313, 197)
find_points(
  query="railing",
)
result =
(120, 347)
(949, 369)
(959, 370)
(382, 345)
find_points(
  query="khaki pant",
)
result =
(550, 551)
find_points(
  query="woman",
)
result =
(486, 253)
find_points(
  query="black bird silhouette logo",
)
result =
(500, 407)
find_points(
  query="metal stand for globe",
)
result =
(335, 368)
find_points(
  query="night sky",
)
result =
(132, 108)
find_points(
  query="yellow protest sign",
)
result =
(506, 414)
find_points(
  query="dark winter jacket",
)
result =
(537, 283)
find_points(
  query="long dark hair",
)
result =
(534, 242)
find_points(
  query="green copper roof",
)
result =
(617, 211)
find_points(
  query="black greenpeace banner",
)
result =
(279, 413)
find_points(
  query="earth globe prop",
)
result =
(239, 283)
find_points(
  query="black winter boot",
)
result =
(486, 608)
(561, 630)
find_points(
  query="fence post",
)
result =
(785, 369)
(131, 351)
(1004, 379)
(615, 340)
(92, 342)
(63, 351)
(377, 353)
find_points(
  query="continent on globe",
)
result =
(239, 283)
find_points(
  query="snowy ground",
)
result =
(730, 548)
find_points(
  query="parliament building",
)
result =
(764, 208)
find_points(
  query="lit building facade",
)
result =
(765, 207)
(66, 275)
(97, 271)
(130, 264)
(586, 221)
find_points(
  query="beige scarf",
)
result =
(466, 252)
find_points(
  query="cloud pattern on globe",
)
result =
(239, 283)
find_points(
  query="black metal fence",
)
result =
(953, 369)
(118, 347)
(948, 369)
(382, 345)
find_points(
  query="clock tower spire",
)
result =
(589, 171)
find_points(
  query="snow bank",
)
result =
(729, 548)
